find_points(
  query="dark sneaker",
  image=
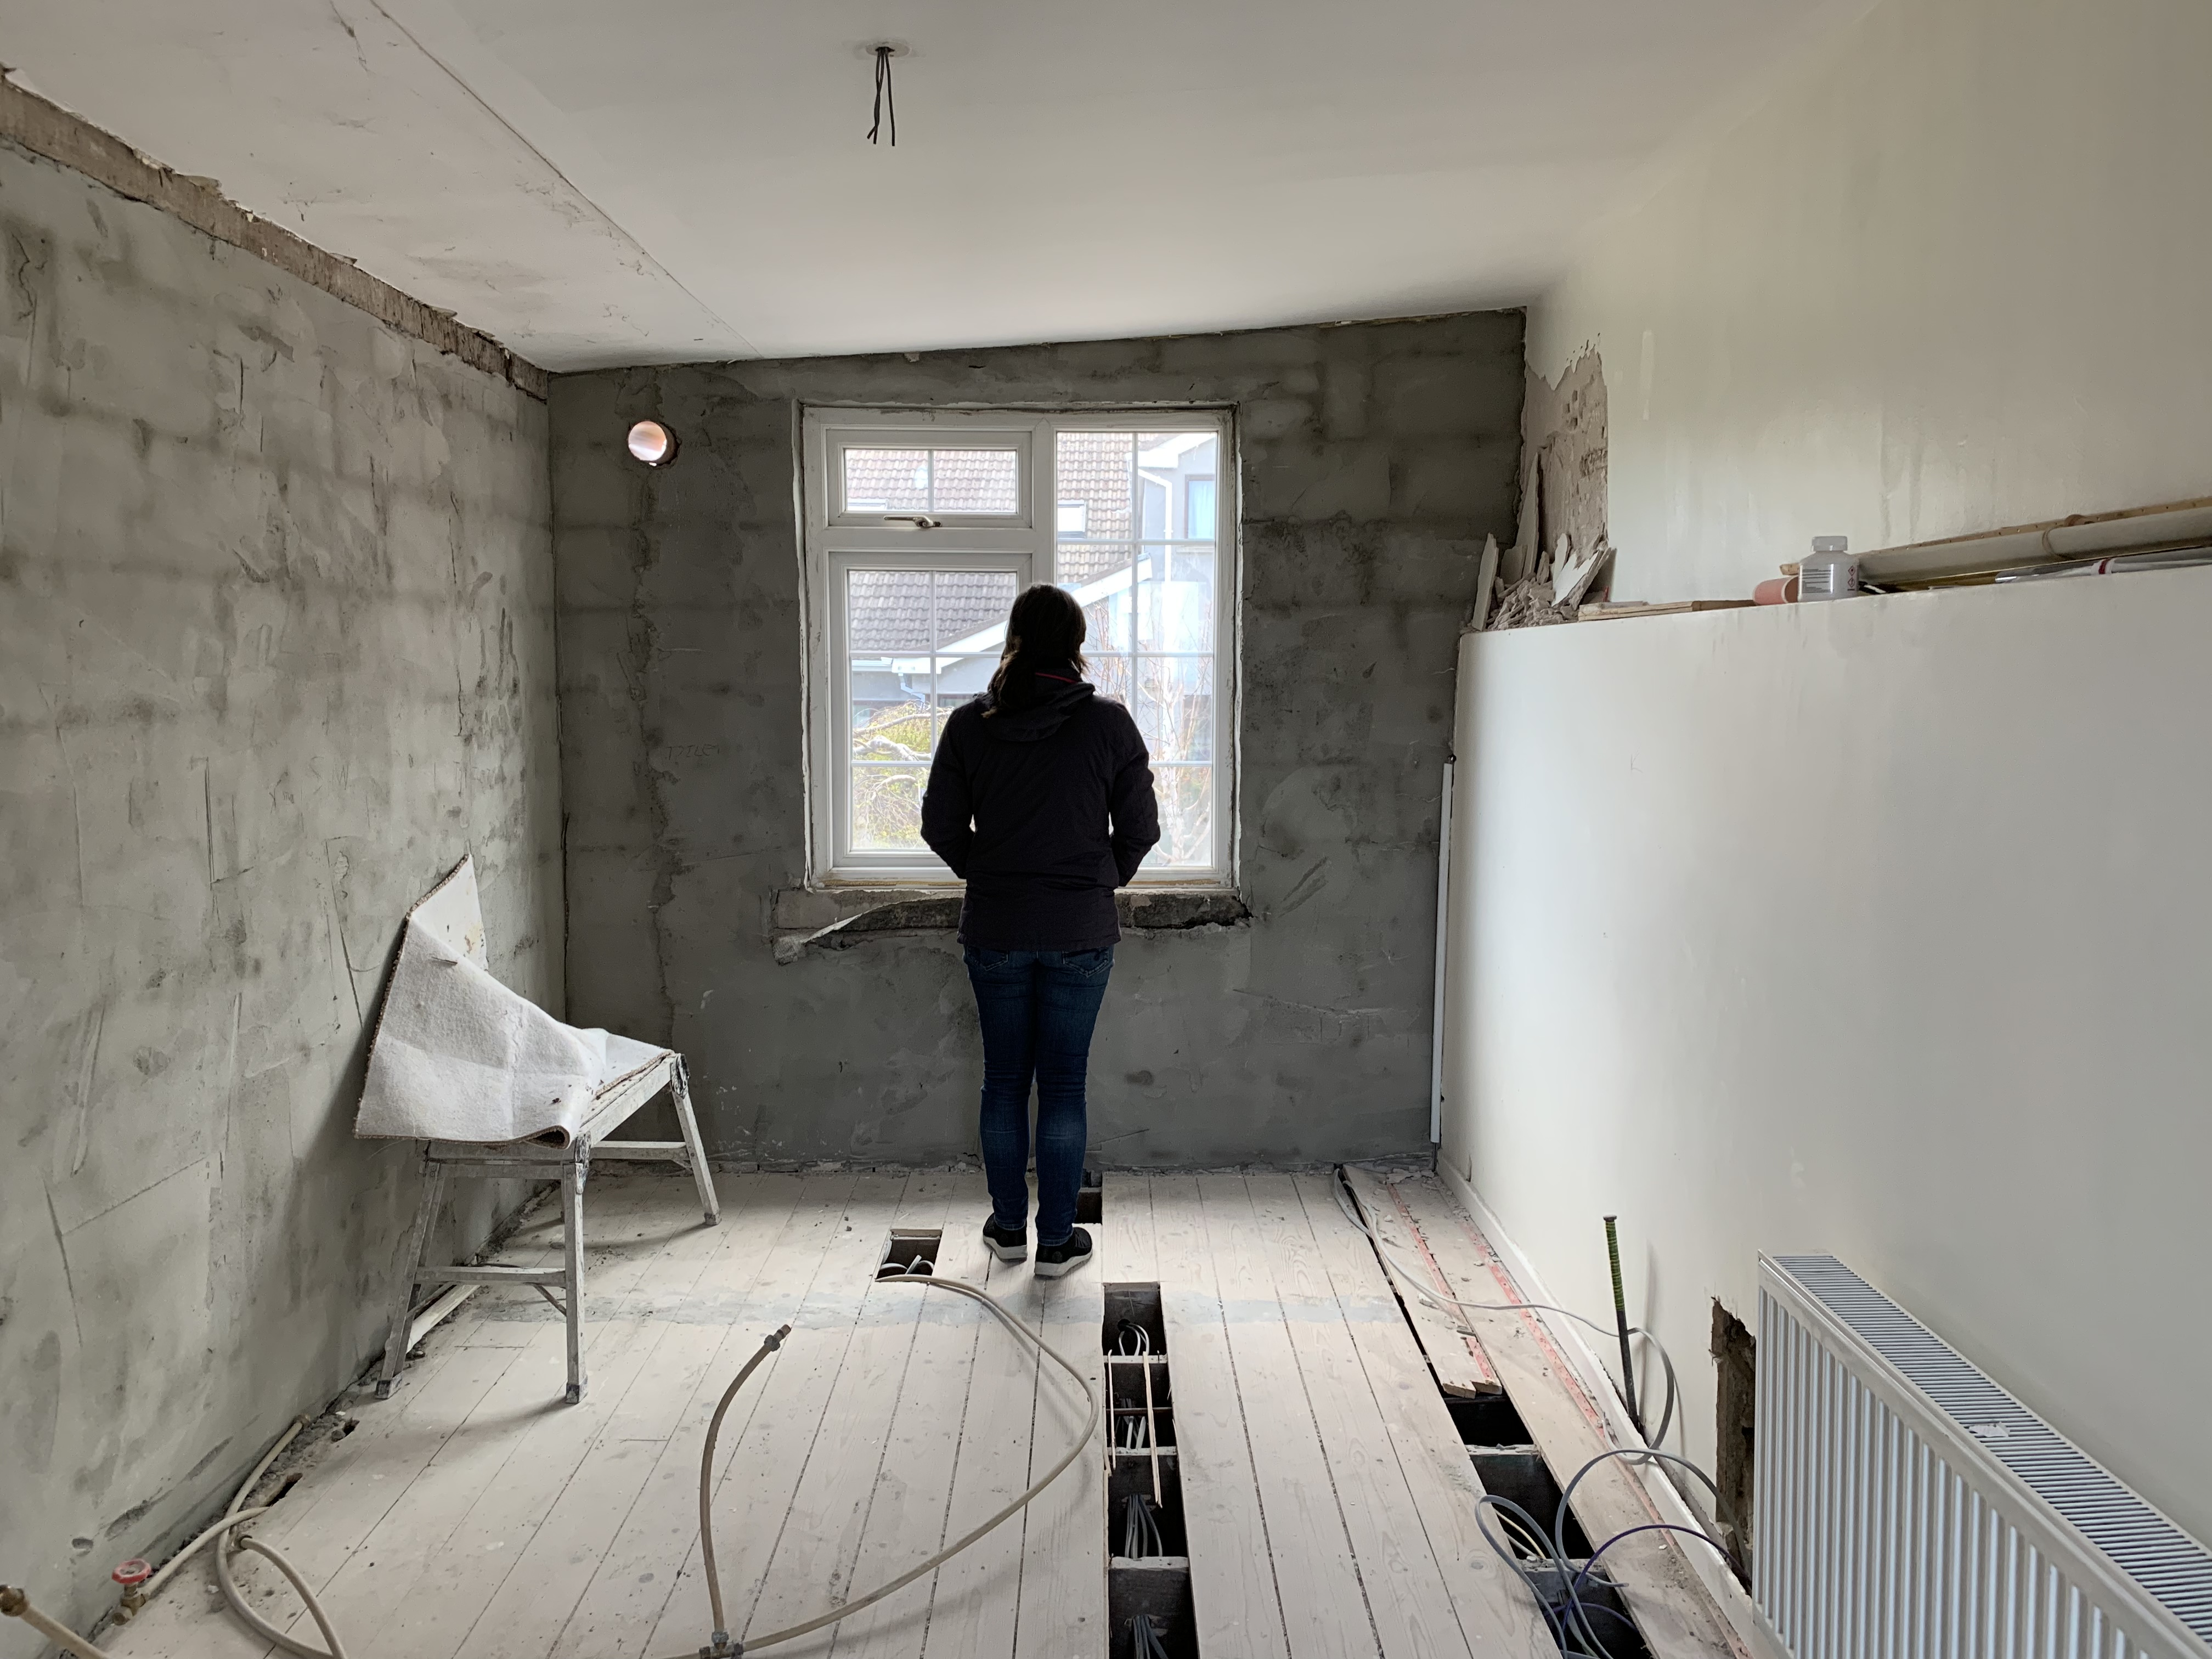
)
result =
(1007, 1247)
(1054, 1260)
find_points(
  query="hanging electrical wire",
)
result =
(885, 105)
(1132, 1341)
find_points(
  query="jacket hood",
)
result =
(1040, 720)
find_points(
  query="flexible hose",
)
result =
(17, 1605)
(846, 1609)
(236, 1597)
(769, 1343)
(237, 1519)
(299, 1584)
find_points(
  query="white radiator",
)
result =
(1908, 1507)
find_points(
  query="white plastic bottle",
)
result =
(1833, 572)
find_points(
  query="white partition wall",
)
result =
(1882, 928)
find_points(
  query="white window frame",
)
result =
(1024, 542)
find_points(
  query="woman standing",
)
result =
(1041, 800)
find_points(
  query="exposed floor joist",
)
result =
(1331, 1504)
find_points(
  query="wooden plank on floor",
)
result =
(1062, 1611)
(1677, 1616)
(1441, 1484)
(534, 1609)
(1232, 1580)
(1132, 1254)
(978, 1593)
(1408, 1603)
(1461, 1366)
(578, 1525)
(521, 1443)
(704, 1339)
(812, 1567)
(814, 1282)
(913, 1485)
(353, 1493)
(1324, 1608)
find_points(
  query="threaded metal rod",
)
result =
(1620, 1323)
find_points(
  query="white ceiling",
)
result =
(594, 183)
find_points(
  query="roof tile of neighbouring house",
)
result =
(890, 609)
(898, 480)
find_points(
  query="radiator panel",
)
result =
(1909, 1508)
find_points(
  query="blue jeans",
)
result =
(1037, 1009)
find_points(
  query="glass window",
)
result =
(911, 620)
(932, 481)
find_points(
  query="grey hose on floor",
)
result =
(721, 1644)
(228, 1549)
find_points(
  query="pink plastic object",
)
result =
(133, 1571)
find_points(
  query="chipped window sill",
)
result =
(839, 918)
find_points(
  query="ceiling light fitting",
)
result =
(651, 443)
(885, 105)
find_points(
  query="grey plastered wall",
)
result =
(275, 648)
(1372, 459)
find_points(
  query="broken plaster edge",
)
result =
(46, 130)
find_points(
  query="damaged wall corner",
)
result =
(1562, 435)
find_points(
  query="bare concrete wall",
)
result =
(275, 647)
(1372, 459)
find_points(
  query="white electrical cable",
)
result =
(721, 1644)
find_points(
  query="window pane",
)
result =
(971, 609)
(1098, 472)
(887, 480)
(887, 808)
(1200, 517)
(890, 714)
(1175, 599)
(886, 610)
(1110, 674)
(1175, 707)
(975, 481)
(1186, 795)
(923, 480)
(1105, 592)
(958, 679)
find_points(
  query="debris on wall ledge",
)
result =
(1562, 555)
(906, 914)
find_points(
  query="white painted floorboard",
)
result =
(474, 1516)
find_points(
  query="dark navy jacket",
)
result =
(1043, 812)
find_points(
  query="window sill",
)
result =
(839, 918)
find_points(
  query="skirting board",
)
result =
(1736, 1603)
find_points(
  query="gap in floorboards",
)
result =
(1148, 1606)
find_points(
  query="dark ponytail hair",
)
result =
(1044, 631)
